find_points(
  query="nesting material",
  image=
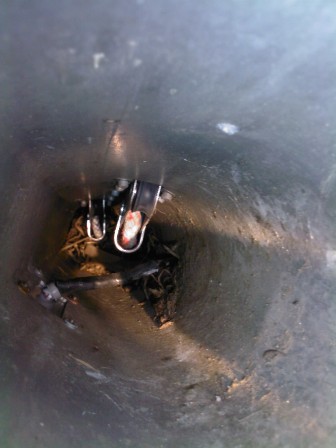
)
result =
(159, 290)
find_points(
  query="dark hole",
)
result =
(80, 256)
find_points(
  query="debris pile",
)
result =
(159, 289)
(81, 250)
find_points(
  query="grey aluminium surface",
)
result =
(231, 106)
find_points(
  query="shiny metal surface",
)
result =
(231, 107)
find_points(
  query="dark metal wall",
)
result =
(231, 105)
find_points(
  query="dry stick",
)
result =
(69, 246)
(78, 226)
(80, 231)
(74, 238)
(170, 251)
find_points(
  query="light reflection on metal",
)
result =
(142, 199)
(114, 140)
(96, 231)
(131, 152)
(117, 144)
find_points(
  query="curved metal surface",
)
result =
(143, 198)
(231, 106)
